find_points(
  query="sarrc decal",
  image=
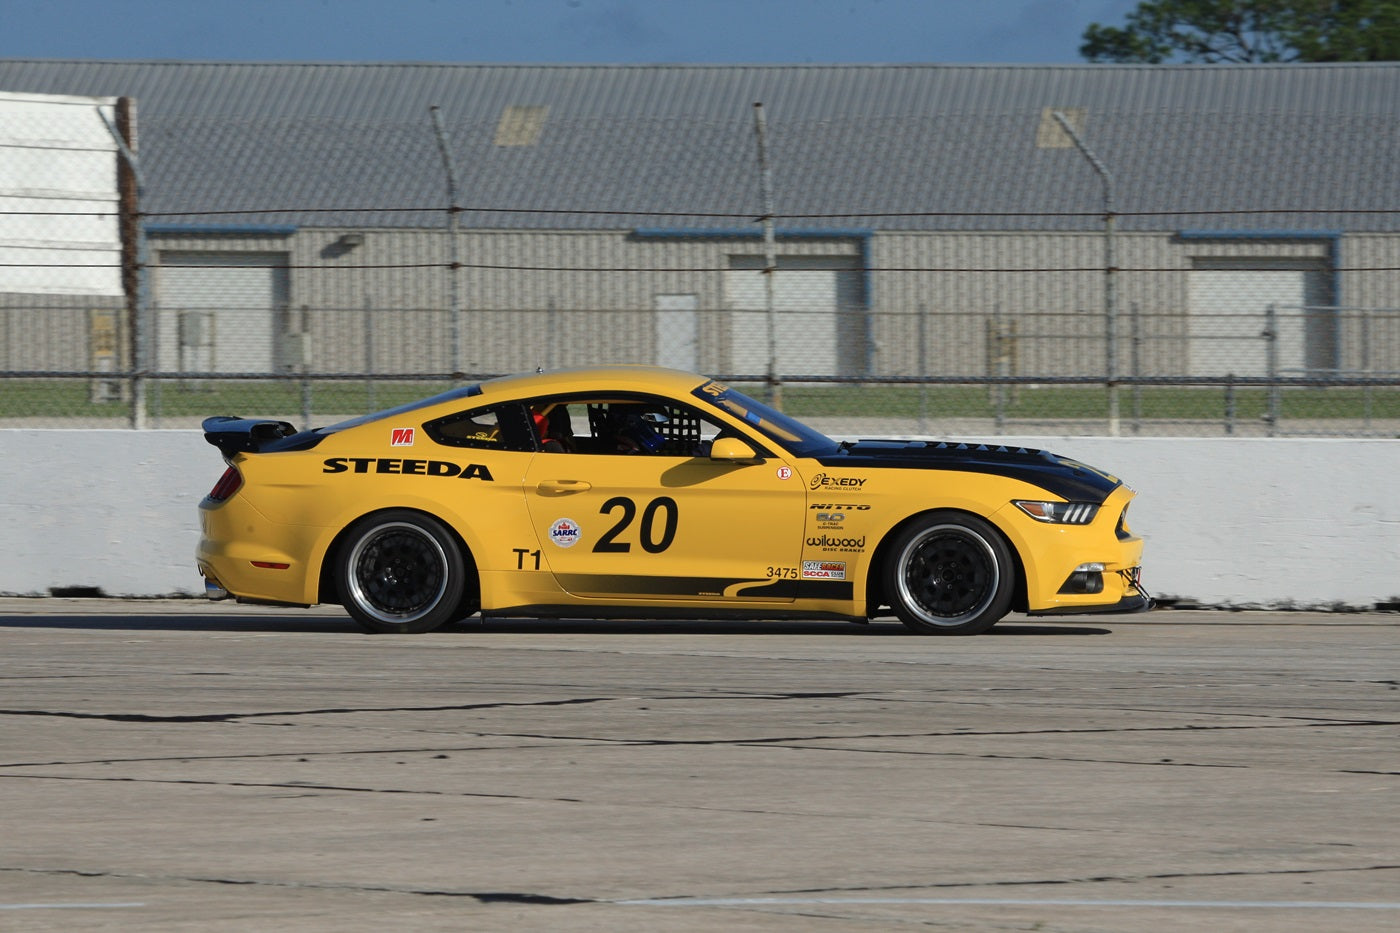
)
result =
(406, 467)
(565, 532)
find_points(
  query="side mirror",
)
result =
(731, 449)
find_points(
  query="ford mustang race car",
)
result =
(639, 492)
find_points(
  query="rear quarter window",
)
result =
(496, 428)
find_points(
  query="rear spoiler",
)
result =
(244, 435)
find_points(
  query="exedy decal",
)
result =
(825, 481)
(406, 467)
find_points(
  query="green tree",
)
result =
(1224, 31)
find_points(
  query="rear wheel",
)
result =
(949, 573)
(401, 572)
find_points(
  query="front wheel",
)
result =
(949, 573)
(401, 572)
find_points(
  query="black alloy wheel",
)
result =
(401, 572)
(949, 573)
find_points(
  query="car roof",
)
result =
(592, 378)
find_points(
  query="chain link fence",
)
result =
(1084, 321)
(942, 373)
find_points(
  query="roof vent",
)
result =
(1050, 135)
(520, 126)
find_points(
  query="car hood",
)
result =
(1060, 476)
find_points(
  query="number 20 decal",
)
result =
(647, 535)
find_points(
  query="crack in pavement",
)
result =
(233, 717)
(484, 897)
(1096, 879)
(790, 741)
(282, 785)
(464, 707)
(533, 898)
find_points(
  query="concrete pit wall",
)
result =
(1238, 523)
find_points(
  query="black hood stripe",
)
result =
(1060, 477)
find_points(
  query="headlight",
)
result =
(1058, 513)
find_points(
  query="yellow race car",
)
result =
(639, 492)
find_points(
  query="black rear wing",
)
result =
(244, 435)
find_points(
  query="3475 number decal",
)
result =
(655, 531)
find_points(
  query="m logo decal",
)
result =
(401, 437)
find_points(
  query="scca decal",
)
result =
(406, 467)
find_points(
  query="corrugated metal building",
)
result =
(610, 213)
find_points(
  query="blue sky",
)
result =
(547, 31)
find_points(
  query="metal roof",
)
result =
(883, 147)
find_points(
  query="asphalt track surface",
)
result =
(189, 766)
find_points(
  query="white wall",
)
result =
(57, 161)
(1269, 523)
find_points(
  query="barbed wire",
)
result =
(720, 215)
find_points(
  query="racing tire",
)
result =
(401, 572)
(949, 573)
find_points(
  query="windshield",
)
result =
(450, 394)
(788, 433)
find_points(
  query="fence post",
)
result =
(371, 385)
(1135, 351)
(132, 185)
(923, 368)
(454, 265)
(1366, 365)
(1230, 404)
(1270, 336)
(770, 254)
(1110, 266)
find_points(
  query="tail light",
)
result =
(227, 485)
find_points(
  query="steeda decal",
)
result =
(406, 467)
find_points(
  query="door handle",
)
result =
(562, 487)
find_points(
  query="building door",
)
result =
(219, 311)
(678, 331)
(816, 299)
(1229, 301)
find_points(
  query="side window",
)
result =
(622, 425)
(496, 428)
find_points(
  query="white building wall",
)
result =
(58, 196)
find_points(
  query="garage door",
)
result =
(219, 311)
(817, 302)
(1229, 314)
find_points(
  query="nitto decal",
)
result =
(401, 437)
(833, 506)
(565, 532)
(828, 543)
(406, 467)
(824, 481)
(823, 570)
